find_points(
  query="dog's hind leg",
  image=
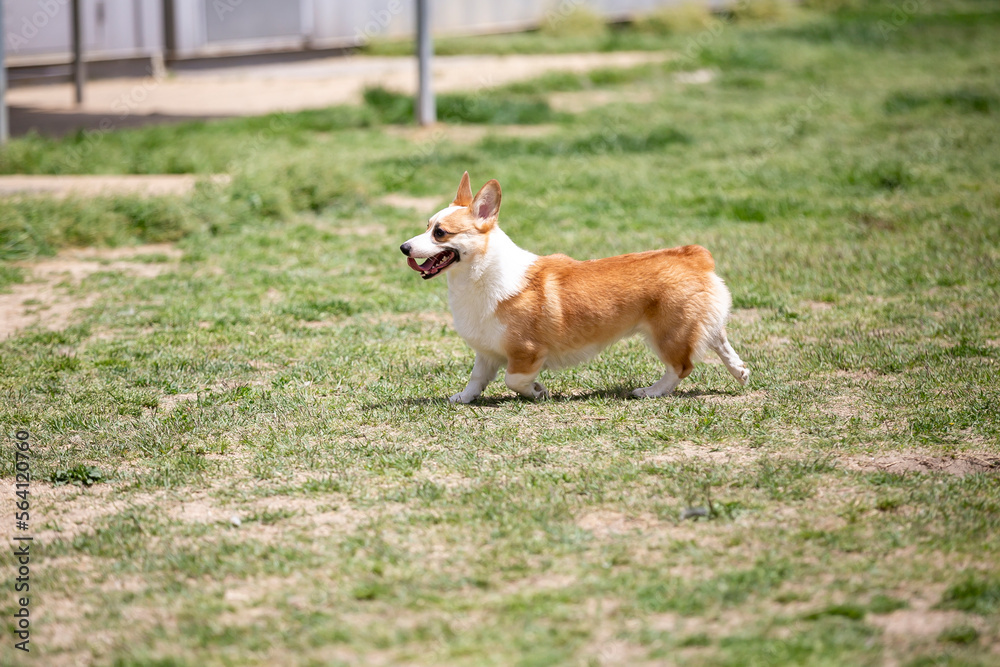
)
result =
(674, 347)
(736, 367)
(665, 385)
(484, 371)
(521, 373)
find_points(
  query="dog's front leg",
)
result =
(484, 371)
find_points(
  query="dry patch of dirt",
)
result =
(156, 185)
(904, 625)
(721, 624)
(962, 464)
(608, 522)
(198, 508)
(545, 581)
(255, 590)
(582, 100)
(38, 304)
(697, 77)
(605, 647)
(313, 84)
(851, 404)
(818, 306)
(463, 134)
(448, 480)
(773, 342)
(72, 510)
(171, 401)
(746, 315)
(60, 630)
(736, 397)
(168, 402)
(436, 318)
(412, 202)
(372, 229)
(43, 301)
(322, 516)
(682, 451)
(862, 376)
(607, 651)
(845, 406)
(920, 625)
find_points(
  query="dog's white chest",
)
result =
(475, 319)
(477, 288)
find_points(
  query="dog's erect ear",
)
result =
(464, 196)
(486, 205)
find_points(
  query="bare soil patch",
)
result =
(433, 317)
(463, 134)
(38, 304)
(62, 633)
(170, 401)
(199, 508)
(45, 301)
(583, 100)
(736, 396)
(861, 376)
(919, 625)
(72, 510)
(730, 453)
(845, 406)
(608, 522)
(958, 464)
(314, 84)
(818, 306)
(697, 77)
(746, 315)
(156, 185)
(411, 202)
(904, 625)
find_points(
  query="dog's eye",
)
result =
(439, 233)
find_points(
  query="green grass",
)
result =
(248, 458)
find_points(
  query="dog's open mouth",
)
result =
(435, 264)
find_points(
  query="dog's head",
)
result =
(457, 233)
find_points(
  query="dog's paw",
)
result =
(461, 398)
(650, 392)
(743, 376)
(539, 391)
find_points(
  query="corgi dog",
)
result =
(524, 312)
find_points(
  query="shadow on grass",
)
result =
(621, 392)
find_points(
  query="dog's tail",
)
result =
(714, 332)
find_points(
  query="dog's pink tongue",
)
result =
(413, 264)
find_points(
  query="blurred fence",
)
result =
(38, 31)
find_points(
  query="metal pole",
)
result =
(79, 69)
(4, 124)
(169, 38)
(426, 108)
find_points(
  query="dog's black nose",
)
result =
(405, 249)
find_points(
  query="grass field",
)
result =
(242, 450)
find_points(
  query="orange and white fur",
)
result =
(526, 312)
